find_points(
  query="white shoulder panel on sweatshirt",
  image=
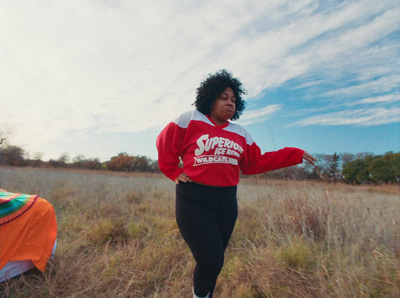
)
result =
(184, 119)
(236, 128)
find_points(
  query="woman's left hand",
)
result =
(183, 177)
(309, 158)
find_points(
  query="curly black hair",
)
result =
(212, 87)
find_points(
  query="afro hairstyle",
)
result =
(212, 87)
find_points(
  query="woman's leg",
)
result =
(206, 230)
(200, 231)
(226, 219)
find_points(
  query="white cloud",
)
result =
(375, 86)
(361, 117)
(70, 68)
(389, 98)
(309, 43)
(257, 116)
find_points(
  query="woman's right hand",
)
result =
(309, 158)
(183, 177)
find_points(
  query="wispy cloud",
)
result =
(71, 68)
(360, 117)
(389, 98)
(257, 116)
(374, 86)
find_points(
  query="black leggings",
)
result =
(206, 217)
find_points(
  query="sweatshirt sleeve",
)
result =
(169, 146)
(255, 163)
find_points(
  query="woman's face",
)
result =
(224, 107)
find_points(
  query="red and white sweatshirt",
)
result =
(212, 154)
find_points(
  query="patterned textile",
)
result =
(13, 205)
(28, 229)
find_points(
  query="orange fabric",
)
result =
(30, 236)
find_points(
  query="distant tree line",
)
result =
(360, 168)
(15, 156)
(373, 169)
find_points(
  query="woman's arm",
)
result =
(255, 163)
(169, 144)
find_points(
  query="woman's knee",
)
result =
(212, 263)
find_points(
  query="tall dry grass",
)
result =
(117, 237)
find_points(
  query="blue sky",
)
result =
(97, 78)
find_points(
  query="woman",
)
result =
(213, 151)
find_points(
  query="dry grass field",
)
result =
(117, 237)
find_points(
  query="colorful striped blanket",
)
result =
(28, 229)
(13, 205)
